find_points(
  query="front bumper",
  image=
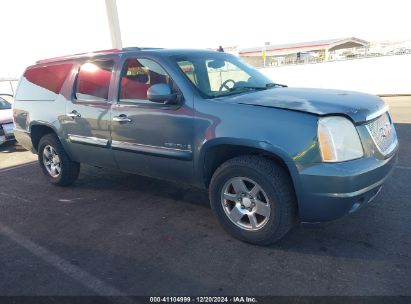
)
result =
(24, 139)
(4, 137)
(332, 190)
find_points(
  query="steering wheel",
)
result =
(224, 85)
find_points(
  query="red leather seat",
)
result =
(136, 83)
(133, 89)
(134, 86)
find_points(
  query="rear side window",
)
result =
(93, 80)
(43, 82)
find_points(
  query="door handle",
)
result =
(122, 118)
(74, 114)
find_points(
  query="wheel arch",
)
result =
(217, 151)
(38, 130)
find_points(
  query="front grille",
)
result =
(383, 133)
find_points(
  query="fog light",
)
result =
(356, 205)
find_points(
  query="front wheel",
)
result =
(55, 163)
(254, 199)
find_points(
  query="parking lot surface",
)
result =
(118, 234)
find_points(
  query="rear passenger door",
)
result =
(87, 121)
(149, 138)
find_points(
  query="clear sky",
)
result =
(32, 30)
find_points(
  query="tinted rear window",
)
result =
(43, 82)
(93, 80)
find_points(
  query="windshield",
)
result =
(221, 74)
(8, 97)
(4, 105)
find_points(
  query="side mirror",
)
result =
(216, 64)
(161, 93)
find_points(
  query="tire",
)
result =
(68, 169)
(275, 205)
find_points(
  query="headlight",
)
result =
(339, 140)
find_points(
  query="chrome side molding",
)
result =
(88, 140)
(153, 150)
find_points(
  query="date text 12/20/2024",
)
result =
(203, 300)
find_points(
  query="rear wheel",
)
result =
(55, 163)
(253, 199)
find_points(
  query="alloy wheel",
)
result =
(51, 161)
(245, 203)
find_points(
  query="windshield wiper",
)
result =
(236, 90)
(272, 85)
(247, 88)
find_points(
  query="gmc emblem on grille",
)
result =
(385, 130)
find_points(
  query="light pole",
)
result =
(114, 24)
(263, 53)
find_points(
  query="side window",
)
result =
(138, 75)
(93, 80)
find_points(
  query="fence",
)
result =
(376, 75)
(317, 57)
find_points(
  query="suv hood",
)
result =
(6, 116)
(317, 101)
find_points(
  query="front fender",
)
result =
(263, 146)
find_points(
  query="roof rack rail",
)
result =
(135, 48)
(74, 56)
(131, 48)
(110, 51)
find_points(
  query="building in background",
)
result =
(303, 52)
